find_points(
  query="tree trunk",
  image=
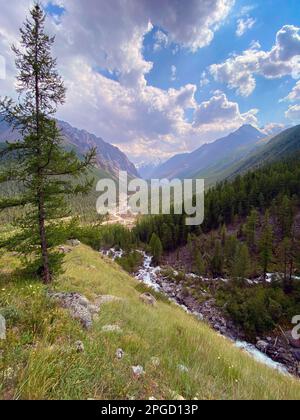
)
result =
(40, 191)
(44, 246)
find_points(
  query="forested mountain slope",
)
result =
(110, 159)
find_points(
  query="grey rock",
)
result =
(65, 249)
(183, 369)
(102, 300)
(292, 340)
(111, 328)
(296, 354)
(148, 299)
(73, 242)
(79, 346)
(262, 346)
(120, 354)
(78, 306)
(138, 371)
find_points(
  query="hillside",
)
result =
(40, 359)
(283, 145)
(110, 159)
(210, 159)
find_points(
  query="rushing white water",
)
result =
(260, 357)
(149, 275)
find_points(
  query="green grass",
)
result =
(39, 361)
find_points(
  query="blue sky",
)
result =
(270, 16)
(161, 77)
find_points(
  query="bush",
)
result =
(257, 309)
(131, 262)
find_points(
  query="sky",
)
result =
(161, 77)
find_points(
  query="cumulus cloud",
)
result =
(272, 129)
(293, 113)
(244, 25)
(220, 111)
(97, 38)
(294, 95)
(239, 71)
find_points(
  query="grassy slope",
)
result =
(40, 341)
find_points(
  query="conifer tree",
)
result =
(287, 259)
(241, 264)
(42, 169)
(217, 261)
(156, 248)
(251, 227)
(200, 266)
(266, 244)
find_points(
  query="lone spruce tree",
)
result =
(44, 172)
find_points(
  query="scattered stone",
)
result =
(73, 242)
(138, 371)
(293, 342)
(183, 368)
(79, 346)
(148, 299)
(111, 328)
(262, 346)
(65, 249)
(120, 354)
(269, 339)
(79, 306)
(296, 354)
(176, 397)
(101, 300)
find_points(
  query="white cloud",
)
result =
(161, 40)
(293, 113)
(239, 71)
(204, 80)
(244, 25)
(173, 73)
(221, 112)
(272, 129)
(98, 35)
(294, 95)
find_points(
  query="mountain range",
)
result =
(110, 160)
(210, 160)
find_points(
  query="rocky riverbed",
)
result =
(278, 351)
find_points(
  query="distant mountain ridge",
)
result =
(110, 159)
(284, 145)
(212, 157)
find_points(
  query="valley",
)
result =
(124, 277)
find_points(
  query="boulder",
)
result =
(262, 346)
(78, 306)
(148, 299)
(65, 249)
(73, 242)
(294, 342)
(296, 354)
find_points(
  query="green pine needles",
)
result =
(44, 172)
